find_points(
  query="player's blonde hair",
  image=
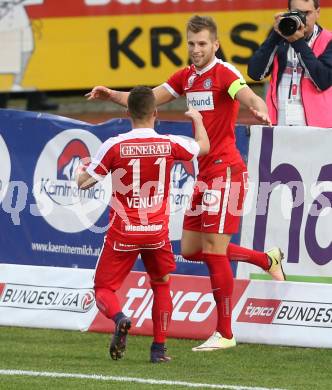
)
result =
(198, 23)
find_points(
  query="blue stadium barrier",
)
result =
(40, 150)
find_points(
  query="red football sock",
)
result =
(238, 253)
(162, 309)
(107, 302)
(198, 256)
(222, 283)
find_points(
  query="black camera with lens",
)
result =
(291, 21)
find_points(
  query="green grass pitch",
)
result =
(73, 352)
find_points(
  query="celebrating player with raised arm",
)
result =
(215, 88)
(140, 162)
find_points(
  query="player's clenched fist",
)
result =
(193, 114)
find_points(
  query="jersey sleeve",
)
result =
(101, 163)
(232, 79)
(184, 148)
(174, 84)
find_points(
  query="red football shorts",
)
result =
(117, 259)
(217, 202)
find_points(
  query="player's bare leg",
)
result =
(215, 243)
(161, 316)
(191, 245)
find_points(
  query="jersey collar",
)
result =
(143, 130)
(207, 68)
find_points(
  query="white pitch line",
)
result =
(128, 379)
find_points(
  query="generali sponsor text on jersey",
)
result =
(145, 149)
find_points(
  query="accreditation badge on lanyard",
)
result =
(294, 108)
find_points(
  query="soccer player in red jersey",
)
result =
(215, 88)
(140, 162)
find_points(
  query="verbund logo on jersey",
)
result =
(259, 311)
(202, 101)
(63, 205)
(5, 169)
(145, 149)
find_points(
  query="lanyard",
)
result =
(295, 77)
(297, 70)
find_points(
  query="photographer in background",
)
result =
(298, 56)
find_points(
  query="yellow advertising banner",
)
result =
(57, 52)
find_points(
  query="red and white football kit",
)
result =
(219, 192)
(140, 162)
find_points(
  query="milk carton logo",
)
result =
(202, 101)
(70, 158)
(5, 169)
(182, 181)
(63, 205)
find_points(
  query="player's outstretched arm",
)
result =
(104, 93)
(162, 95)
(201, 136)
(100, 92)
(255, 104)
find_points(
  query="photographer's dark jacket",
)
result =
(316, 81)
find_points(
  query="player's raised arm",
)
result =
(107, 94)
(120, 97)
(201, 136)
(162, 95)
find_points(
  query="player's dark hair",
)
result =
(316, 3)
(141, 102)
(198, 23)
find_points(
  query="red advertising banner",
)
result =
(63, 8)
(260, 311)
(194, 314)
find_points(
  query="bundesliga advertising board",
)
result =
(77, 44)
